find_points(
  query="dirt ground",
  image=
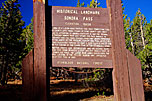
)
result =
(71, 91)
(67, 90)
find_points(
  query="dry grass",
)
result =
(14, 82)
(63, 89)
(99, 98)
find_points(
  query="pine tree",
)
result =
(141, 33)
(11, 26)
(27, 35)
(145, 55)
(94, 4)
(138, 36)
(138, 32)
(80, 4)
(128, 32)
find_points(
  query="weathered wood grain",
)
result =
(120, 71)
(40, 71)
(135, 75)
(28, 77)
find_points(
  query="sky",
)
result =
(131, 6)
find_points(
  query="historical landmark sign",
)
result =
(81, 37)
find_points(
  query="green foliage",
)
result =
(103, 93)
(80, 4)
(98, 74)
(27, 35)
(138, 22)
(93, 4)
(138, 35)
(128, 40)
(148, 35)
(145, 56)
(11, 45)
(98, 94)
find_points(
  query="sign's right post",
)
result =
(122, 78)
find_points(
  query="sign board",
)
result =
(81, 37)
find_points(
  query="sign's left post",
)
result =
(41, 70)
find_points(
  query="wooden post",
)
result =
(135, 75)
(121, 83)
(41, 76)
(28, 77)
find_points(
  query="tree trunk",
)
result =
(3, 79)
(132, 44)
(4, 70)
(96, 4)
(142, 33)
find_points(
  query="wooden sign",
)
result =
(81, 37)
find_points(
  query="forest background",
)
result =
(16, 38)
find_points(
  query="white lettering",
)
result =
(67, 11)
(70, 23)
(71, 18)
(86, 24)
(90, 12)
(88, 18)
